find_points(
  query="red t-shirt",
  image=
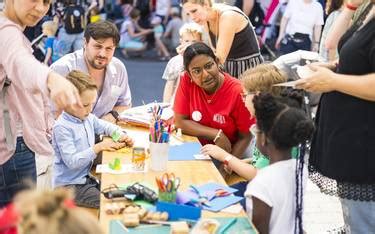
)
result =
(223, 110)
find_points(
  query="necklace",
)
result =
(211, 97)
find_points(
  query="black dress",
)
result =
(342, 160)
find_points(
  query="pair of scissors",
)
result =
(220, 193)
(202, 200)
(171, 179)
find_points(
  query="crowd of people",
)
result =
(222, 92)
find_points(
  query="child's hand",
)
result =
(108, 145)
(127, 140)
(214, 151)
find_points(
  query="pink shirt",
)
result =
(27, 95)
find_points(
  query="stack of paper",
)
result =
(141, 115)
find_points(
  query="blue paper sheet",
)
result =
(208, 190)
(184, 152)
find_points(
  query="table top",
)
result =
(190, 172)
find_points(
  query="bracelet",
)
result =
(227, 159)
(217, 135)
(351, 7)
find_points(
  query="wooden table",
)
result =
(190, 172)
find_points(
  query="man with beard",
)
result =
(96, 59)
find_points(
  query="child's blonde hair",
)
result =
(81, 81)
(262, 78)
(192, 28)
(53, 212)
(51, 26)
(200, 2)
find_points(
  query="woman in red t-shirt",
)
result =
(209, 103)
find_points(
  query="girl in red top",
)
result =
(209, 103)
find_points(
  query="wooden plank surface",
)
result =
(190, 172)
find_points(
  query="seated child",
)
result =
(49, 29)
(52, 212)
(132, 36)
(74, 143)
(189, 33)
(274, 196)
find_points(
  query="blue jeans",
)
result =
(293, 43)
(20, 168)
(359, 216)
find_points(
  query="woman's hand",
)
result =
(224, 143)
(321, 80)
(214, 151)
(127, 140)
(62, 92)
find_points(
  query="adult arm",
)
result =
(193, 128)
(247, 6)
(339, 27)
(324, 80)
(316, 37)
(283, 24)
(19, 63)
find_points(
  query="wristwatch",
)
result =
(227, 159)
(114, 114)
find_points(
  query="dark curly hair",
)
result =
(285, 124)
(282, 120)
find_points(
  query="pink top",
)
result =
(27, 96)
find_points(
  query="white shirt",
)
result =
(303, 17)
(162, 7)
(275, 185)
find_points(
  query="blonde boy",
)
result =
(49, 29)
(189, 33)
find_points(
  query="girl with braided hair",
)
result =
(274, 196)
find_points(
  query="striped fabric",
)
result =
(235, 67)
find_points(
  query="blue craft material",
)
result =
(208, 190)
(184, 152)
(179, 211)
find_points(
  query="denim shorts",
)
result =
(17, 173)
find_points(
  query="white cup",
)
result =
(159, 156)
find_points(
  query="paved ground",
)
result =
(322, 213)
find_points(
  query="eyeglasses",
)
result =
(198, 71)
